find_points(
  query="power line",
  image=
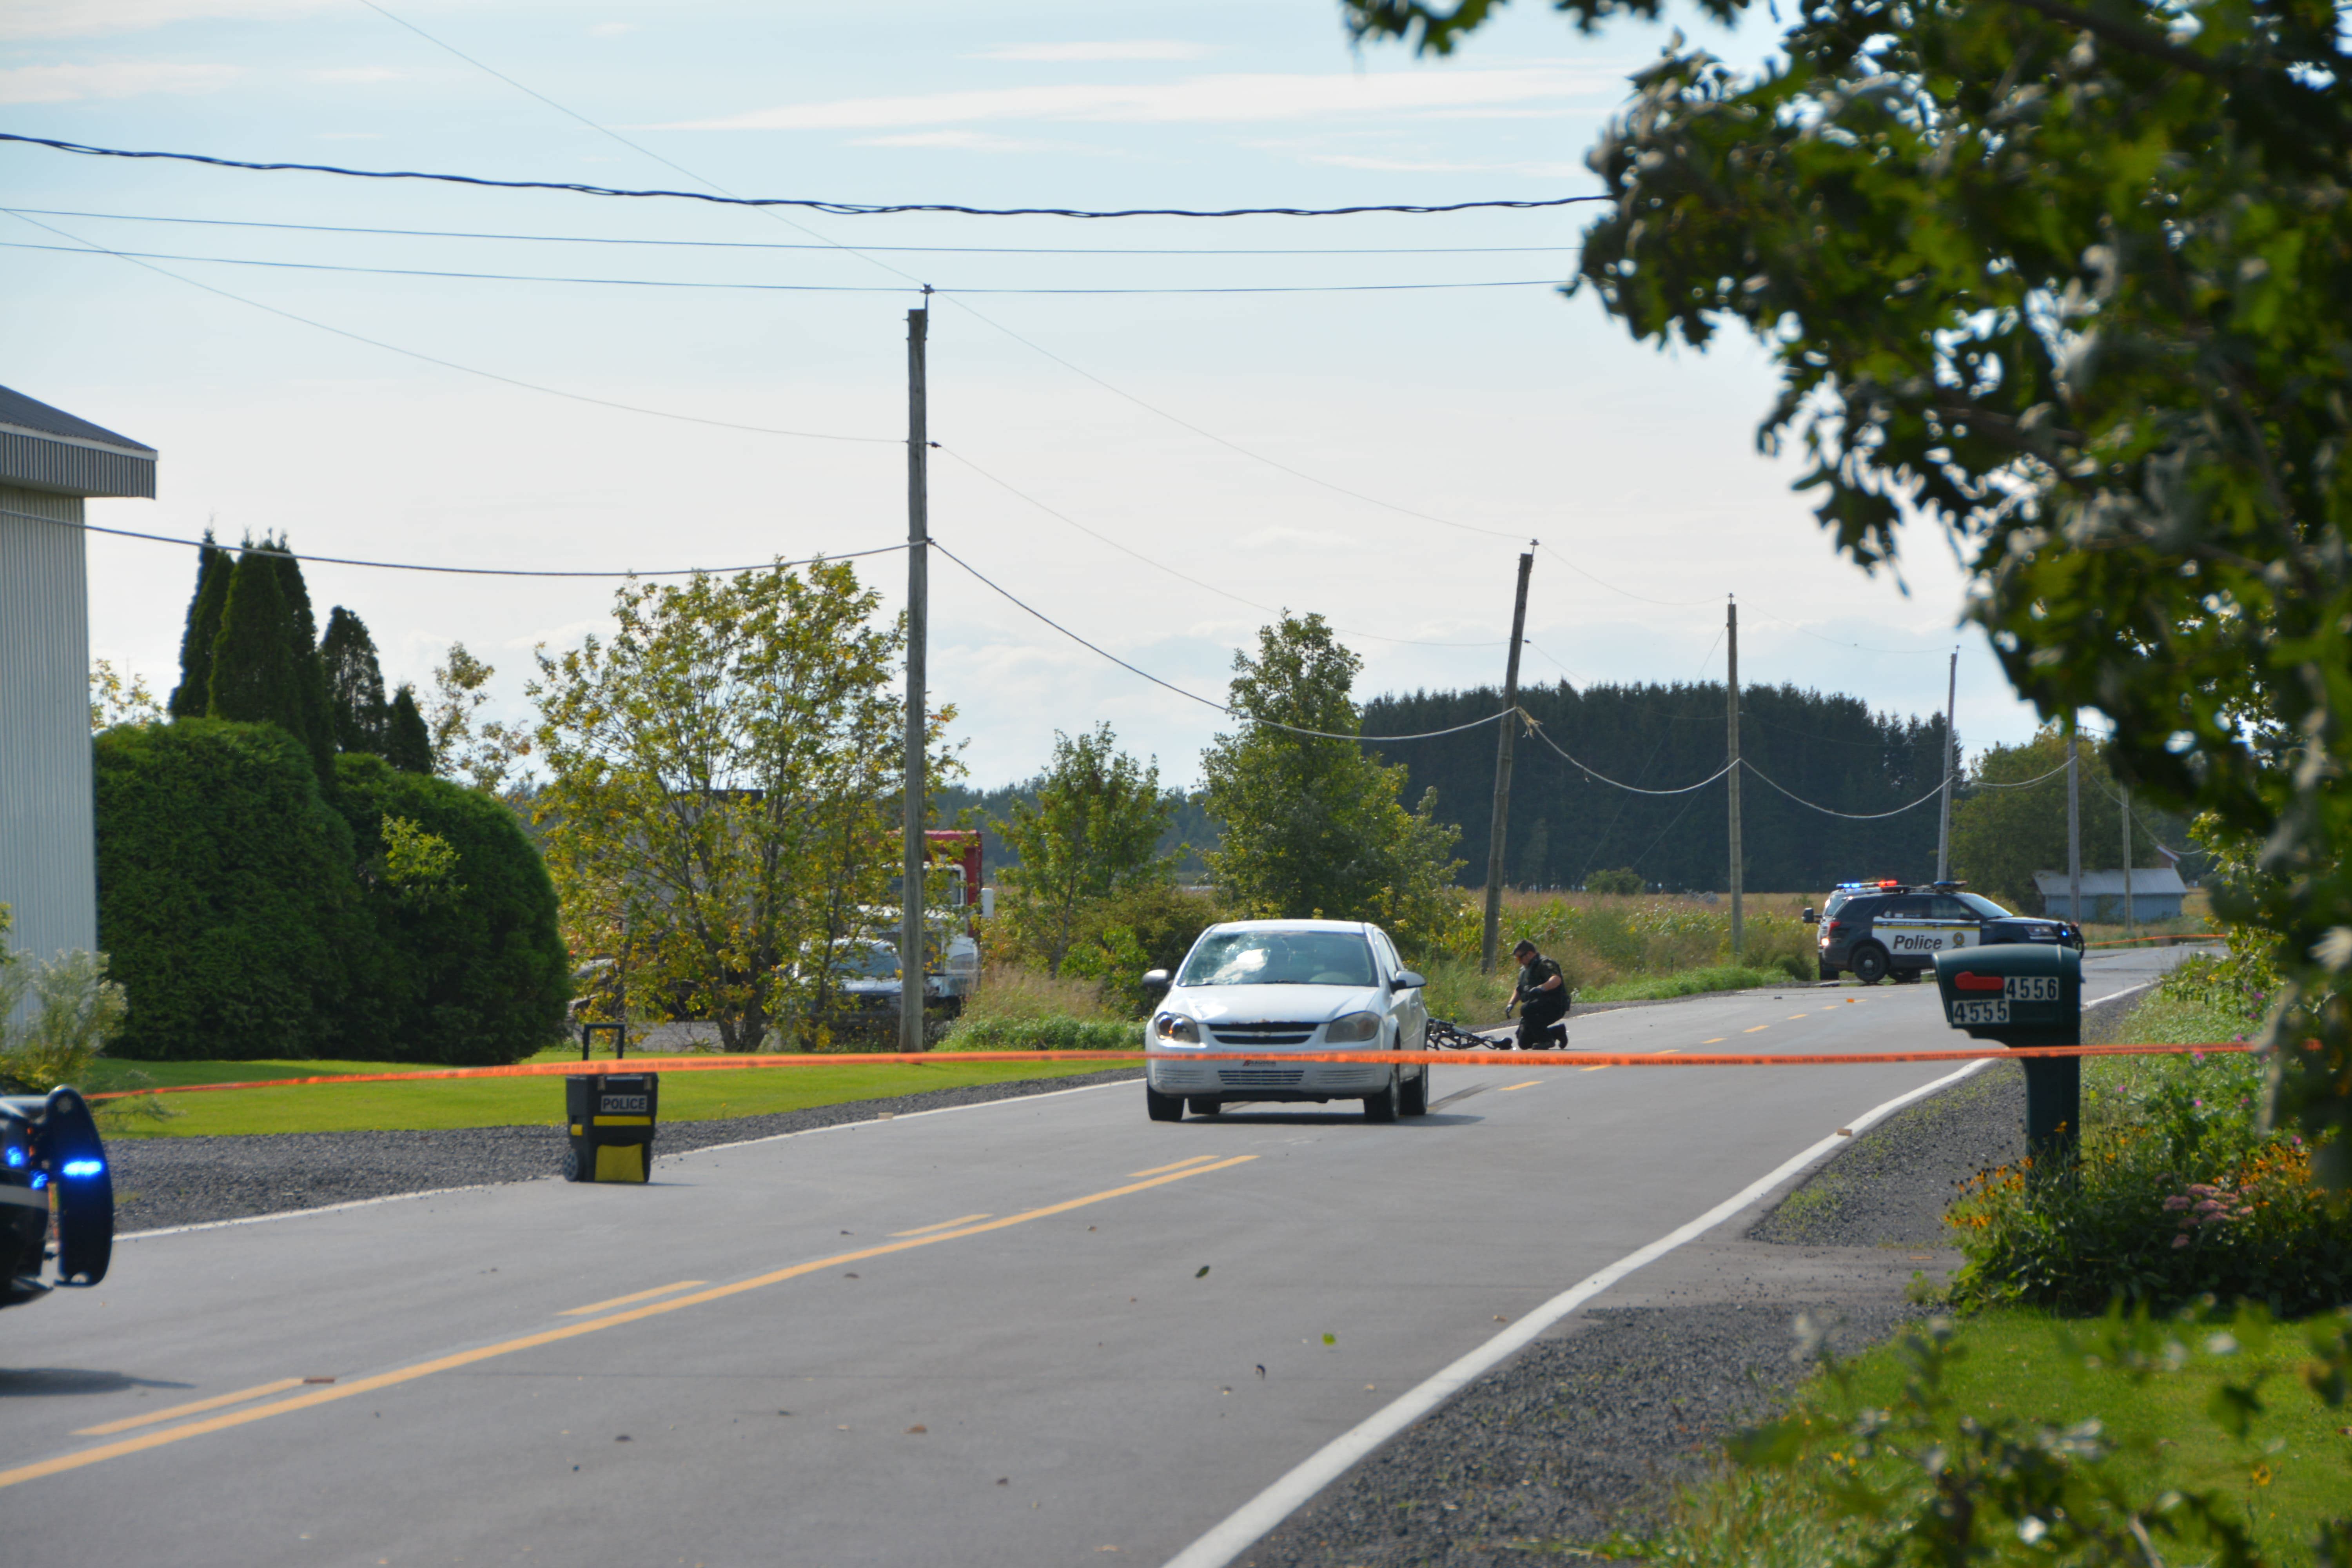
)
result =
(1010, 597)
(1537, 730)
(1849, 816)
(453, 364)
(832, 208)
(771, 287)
(1670, 603)
(778, 245)
(2022, 784)
(452, 571)
(1010, 488)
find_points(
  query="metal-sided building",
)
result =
(50, 462)
(2156, 894)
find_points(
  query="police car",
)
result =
(51, 1162)
(1873, 930)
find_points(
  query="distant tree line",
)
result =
(281, 874)
(1566, 826)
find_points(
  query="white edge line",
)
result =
(1238, 1531)
(1229, 1539)
(687, 1154)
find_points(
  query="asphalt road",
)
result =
(1033, 1332)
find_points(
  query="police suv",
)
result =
(1877, 928)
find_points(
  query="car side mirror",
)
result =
(1406, 980)
(1809, 918)
(1155, 980)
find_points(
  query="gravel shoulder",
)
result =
(159, 1182)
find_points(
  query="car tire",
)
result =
(1416, 1096)
(1202, 1105)
(570, 1162)
(1382, 1107)
(1163, 1107)
(1870, 964)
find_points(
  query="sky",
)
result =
(1158, 472)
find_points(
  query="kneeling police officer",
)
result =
(1542, 998)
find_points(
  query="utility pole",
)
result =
(2130, 924)
(1503, 770)
(1731, 689)
(911, 987)
(1951, 766)
(2073, 827)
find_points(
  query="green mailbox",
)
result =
(2025, 994)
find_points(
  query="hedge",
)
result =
(226, 903)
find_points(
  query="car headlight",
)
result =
(1175, 1029)
(1353, 1029)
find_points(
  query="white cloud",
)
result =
(1131, 49)
(1205, 100)
(87, 19)
(111, 79)
(965, 142)
(612, 29)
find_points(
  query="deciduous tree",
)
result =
(1091, 831)
(2070, 281)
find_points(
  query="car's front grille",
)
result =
(1263, 1033)
(1261, 1078)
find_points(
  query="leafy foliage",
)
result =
(1621, 882)
(2001, 836)
(467, 964)
(2067, 282)
(115, 699)
(407, 744)
(226, 896)
(1090, 831)
(718, 808)
(1313, 826)
(76, 1011)
(194, 694)
(355, 683)
(486, 756)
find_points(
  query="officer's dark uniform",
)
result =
(1539, 1009)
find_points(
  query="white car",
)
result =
(1277, 987)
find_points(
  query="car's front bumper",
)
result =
(1269, 1078)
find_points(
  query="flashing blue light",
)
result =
(40, 1180)
(13, 1157)
(82, 1168)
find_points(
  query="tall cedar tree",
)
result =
(355, 683)
(318, 726)
(407, 744)
(253, 676)
(214, 565)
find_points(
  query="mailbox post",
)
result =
(2026, 994)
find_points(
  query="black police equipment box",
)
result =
(611, 1118)
(2026, 994)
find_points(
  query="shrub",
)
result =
(1009, 991)
(1048, 1034)
(2180, 1194)
(469, 966)
(226, 897)
(78, 1011)
(1620, 881)
(1151, 926)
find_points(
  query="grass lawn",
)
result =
(522, 1102)
(2293, 1470)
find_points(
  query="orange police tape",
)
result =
(1511, 1058)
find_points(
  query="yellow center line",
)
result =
(1796, 1016)
(1717, 1041)
(1757, 1029)
(625, 1300)
(1669, 1051)
(194, 1407)
(927, 1229)
(1155, 1170)
(1529, 1084)
(64, 1462)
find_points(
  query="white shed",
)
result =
(2156, 894)
(49, 462)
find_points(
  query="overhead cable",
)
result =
(770, 288)
(821, 246)
(1537, 730)
(1849, 816)
(1011, 490)
(451, 570)
(1010, 597)
(2021, 784)
(453, 364)
(810, 204)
